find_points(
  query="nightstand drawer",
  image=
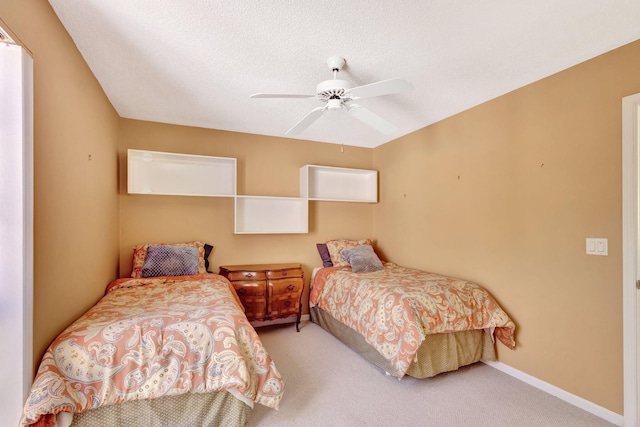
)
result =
(255, 308)
(253, 296)
(283, 304)
(283, 274)
(245, 275)
(247, 289)
(286, 286)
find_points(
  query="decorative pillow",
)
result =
(335, 246)
(362, 259)
(140, 256)
(170, 261)
(207, 251)
(324, 254)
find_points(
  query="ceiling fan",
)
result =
(337, 95)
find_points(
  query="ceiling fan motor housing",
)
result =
(330, 90)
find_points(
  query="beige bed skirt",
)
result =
(438, 353)
(219, 409)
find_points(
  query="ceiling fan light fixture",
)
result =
(334, 104)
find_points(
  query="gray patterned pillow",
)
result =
(170, 261)
(362, 259)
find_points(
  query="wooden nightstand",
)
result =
(268, 291)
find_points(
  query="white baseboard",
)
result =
(256, 323)
(579, 402)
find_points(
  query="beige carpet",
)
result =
(327, 384)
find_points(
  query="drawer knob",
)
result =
(287, 303)
(284, 273)
(242, 291)
(291, 287)
(248, 274)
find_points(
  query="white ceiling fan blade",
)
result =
(372, 119)
(306, 121)
(384, 87)
(280, 95)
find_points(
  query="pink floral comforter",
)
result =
(154, 337)
(395, 308)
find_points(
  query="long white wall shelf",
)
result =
(269, 215)
(338, 184)
(159, 173)
(154, 172)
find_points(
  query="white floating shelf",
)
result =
(154, 172)
(338, 184)
(160, 173)
(271, 215)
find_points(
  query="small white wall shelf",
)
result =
(338, 184)
(271, 215)
(154, 172)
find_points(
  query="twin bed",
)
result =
(171, 345)
(405, 321)
(168, 349)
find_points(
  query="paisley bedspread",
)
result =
(154, 337)
(395, 308)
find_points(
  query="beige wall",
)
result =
(505, 194)
(266, 167)
(76, 204)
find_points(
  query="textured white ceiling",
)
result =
(195, 62)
